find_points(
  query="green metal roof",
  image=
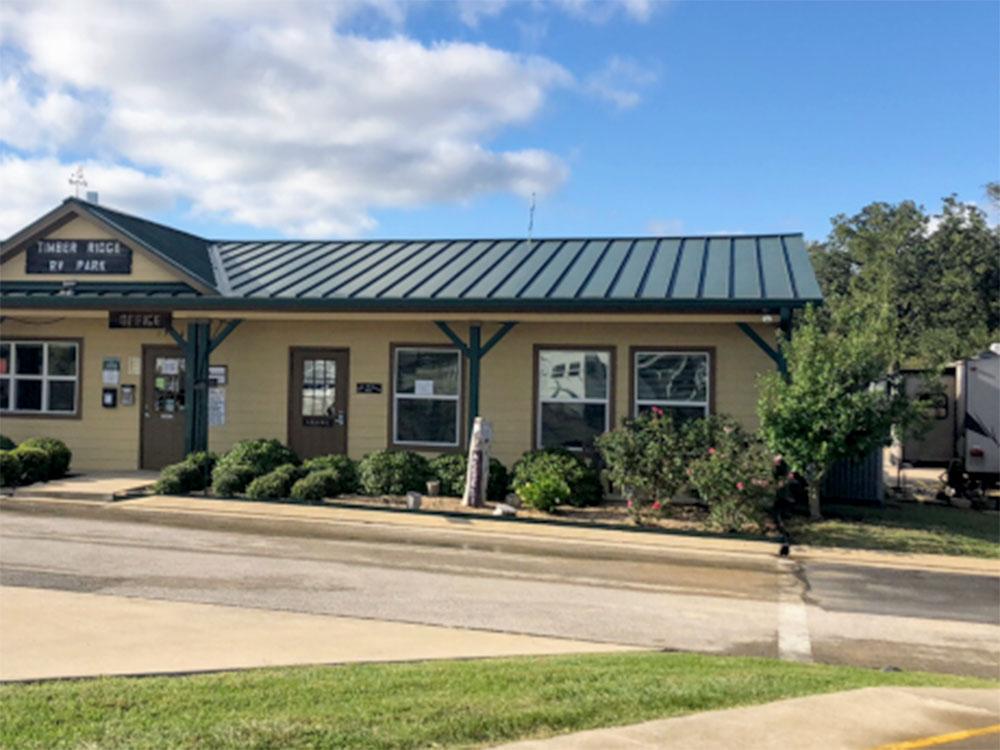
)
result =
(738, 272)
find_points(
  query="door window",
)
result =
(168, 385)
(319, 387)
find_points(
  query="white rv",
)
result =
(978, 386)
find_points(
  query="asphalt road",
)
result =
(733, 604)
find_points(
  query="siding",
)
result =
(257, 355)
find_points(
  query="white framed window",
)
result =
(40, 377)
(427, 391)
(678, 382)
(573, 397)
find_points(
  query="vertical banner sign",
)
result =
(79, 257)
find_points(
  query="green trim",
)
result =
(774, 354)
(223, 334)
(407, 305)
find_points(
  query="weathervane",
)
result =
(77, 180)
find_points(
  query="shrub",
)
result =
(263, 455)
(316, 486)
(580, 476)
(451, 469)
(59, 454)
(34, 464)
(645, 458)
(10, 469)
(205, 462)
(6, 444)
(346, 468)
(736, 480)
(394, 473)
(275, 485)
(229, 480)
(179, 479)
(545, 492)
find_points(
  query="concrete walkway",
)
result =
(554, 532)
(49, 634)
(855, 720)
(96, 486)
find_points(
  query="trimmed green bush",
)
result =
(317, 486)
(394, 473)
(346, 468)
(580, 476)
(275, 485)
(10, 469)
(229, 480)
(6, 444)
(59, 454)
(34, 464)
(450, 470)
(263, 455)
(179, 479)
(545, 492)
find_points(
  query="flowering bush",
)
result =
(735, 478)
(645, 460)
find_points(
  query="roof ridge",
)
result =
(572, 238)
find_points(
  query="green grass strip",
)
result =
(411, 705)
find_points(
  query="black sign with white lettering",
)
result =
(369, 387)
(139, 319)
(79, 256)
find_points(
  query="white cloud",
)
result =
(620, 82)
(261, 113)
(33, 186)
(601, 11)
(665, 227)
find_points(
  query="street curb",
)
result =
(536, 530)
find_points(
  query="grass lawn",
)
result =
(908, 527)
(415, 705)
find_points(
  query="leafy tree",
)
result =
(933, 281)
(836, 403)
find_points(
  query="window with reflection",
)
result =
(574, 395)
(676, 382)
(319, 387)
(39, 377)
(426, 396)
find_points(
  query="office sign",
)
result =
(79, 256)
(139, 319)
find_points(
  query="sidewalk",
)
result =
(53, 634)
(555, 532)
(867, 719)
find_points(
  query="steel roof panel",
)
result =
(775, 271)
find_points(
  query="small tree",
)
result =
(836, 403)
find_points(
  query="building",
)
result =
(134, 342)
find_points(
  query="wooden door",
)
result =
(163, 406)
(317, 402)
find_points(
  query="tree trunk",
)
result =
(815, 485)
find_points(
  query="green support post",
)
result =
(474, 351)
(765, 347)
(197, 347)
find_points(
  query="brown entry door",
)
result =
(163, 405)
(317, 402)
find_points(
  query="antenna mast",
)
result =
(77, 180)
(531, 217)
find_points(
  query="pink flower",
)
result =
(690, 472)
(657, 411)
(711, 451)
(740, 486)
(629, 503)
(656, 505)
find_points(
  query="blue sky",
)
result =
(626, 118)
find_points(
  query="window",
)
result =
(574, 397)
(39, 377)
(677, 382)
(426, 393)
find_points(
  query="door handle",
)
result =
(341, 418)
